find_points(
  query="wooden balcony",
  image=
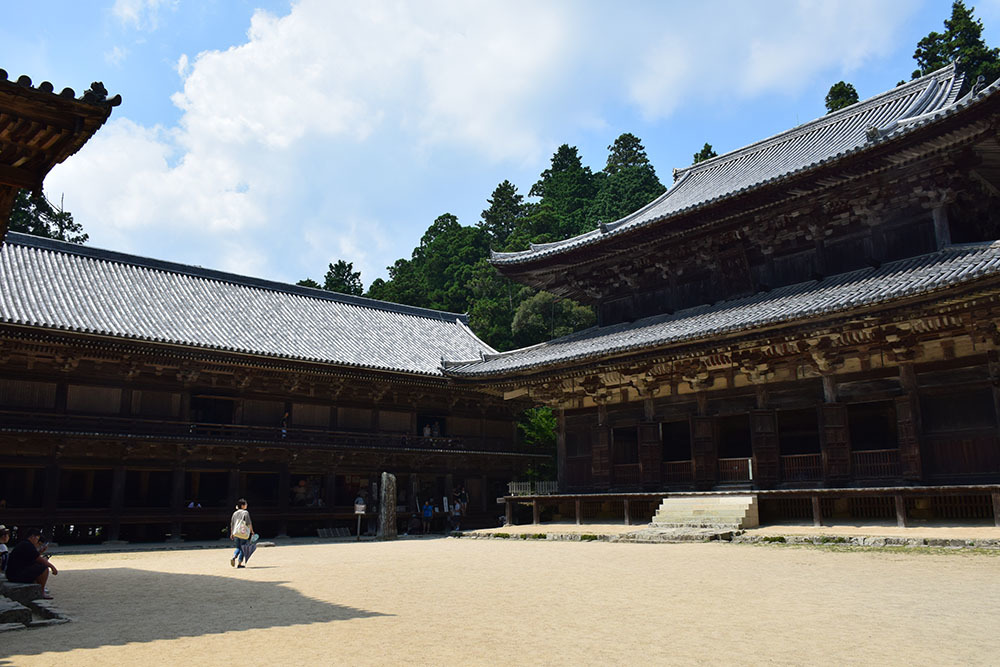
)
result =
(876, 464)
(158, 429)
(678, 472)
(735, 470)
(801, 467)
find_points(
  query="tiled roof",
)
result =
(808, 146)
(62, 286)
(950, 267)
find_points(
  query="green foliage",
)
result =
(629, 181)
(38, 216)
(505, 213)
(502, 536)
(309, 282)
(589, 537)
(841, 95)
(543, 316)
(538, 428)
(341, 277)
(962, 39)
(705, 153)
(567, 187)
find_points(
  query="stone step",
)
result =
(708, 511)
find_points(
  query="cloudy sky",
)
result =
(270, 138)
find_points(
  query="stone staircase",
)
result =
(723, 512)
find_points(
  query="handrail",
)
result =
(143, 427)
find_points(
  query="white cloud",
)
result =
(116, 56)
(328, 123)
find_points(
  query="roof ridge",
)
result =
(831, 117)
(100, 254)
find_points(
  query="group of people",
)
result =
(457, 510)
(26, 563)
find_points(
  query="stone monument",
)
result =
(387, 508)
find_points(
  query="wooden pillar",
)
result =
(764, 441)
(576, 503)
(835, 443)
(996, 509)
(509, 512)
(942, 230)
(817, 511)
(330, 490)
(176, 503)
(561, 449)
(628, 521)
(449, 486)
(284, 491)
(535, 511)
(485, 493)
(900, 511)
(908, 426)
(117, 503)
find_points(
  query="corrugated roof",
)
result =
(915, 276)
(62, 286)
(805, 147)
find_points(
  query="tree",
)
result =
(506, 211)
(841, 95)
(341, 277)
(962, 39)
(568, 188)
(538, 427)
(37, 215)
(629, 181)
(544, 316)
(705, 153)
(309, 282)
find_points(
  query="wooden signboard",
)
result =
(908, 434)
(835, 441)
(764, 438)
(704, 451)
(650, 453)
(600, 459)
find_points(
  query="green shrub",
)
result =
(587, 537)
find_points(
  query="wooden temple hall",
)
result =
(813, 317)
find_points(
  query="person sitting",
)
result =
(4, 552)
(27, 565)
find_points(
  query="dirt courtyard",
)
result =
(440, 601)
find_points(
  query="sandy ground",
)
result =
(441, 601)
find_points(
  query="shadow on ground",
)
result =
(118, 606)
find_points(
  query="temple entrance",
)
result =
(735, 449)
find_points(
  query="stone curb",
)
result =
(869, 541)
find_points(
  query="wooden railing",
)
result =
(735, 470)
(627, 474)
(678, 472)
(801, 467)
(876, 464)
(532, 488)
(175, 430)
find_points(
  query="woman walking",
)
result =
(240, 530)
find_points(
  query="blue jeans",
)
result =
(237, 554)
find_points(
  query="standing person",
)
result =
(456, 515)
(427, 515)
(26, 565)
(240, 530)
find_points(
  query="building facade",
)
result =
(815, 310)
(139, 399)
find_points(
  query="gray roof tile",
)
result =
(61, 286)
(839, 294)
(805, 147)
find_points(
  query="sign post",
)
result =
(359, 509)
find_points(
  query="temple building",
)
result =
(40, 128)
(139, 398)
(817, 310)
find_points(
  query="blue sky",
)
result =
(270, 138)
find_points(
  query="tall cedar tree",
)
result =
(841, 95)
(705, 153)
(963, 39)
(506, 211)
(341, 277)
(629, 181)
(567, 188)
(37, 215)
